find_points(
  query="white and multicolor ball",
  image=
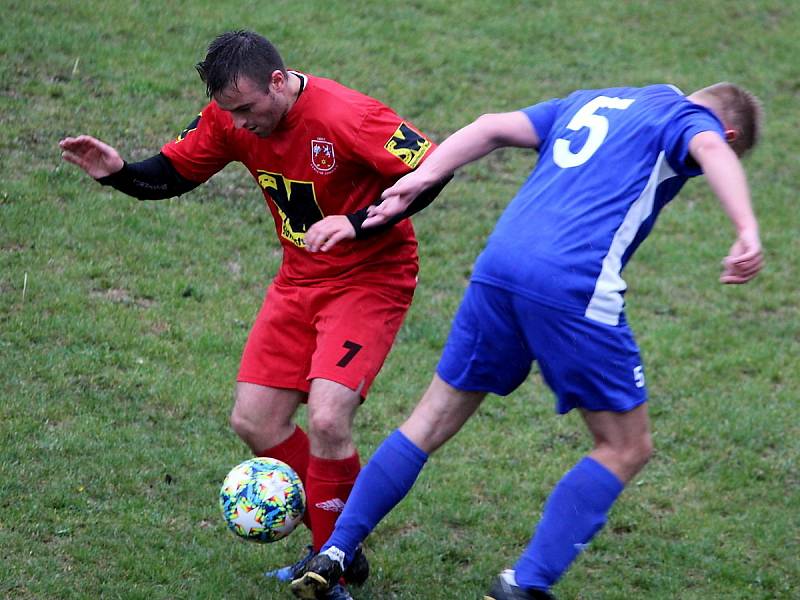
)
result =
(262, 500)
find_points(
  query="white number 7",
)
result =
(598, 129)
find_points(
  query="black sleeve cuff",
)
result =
(151, 179)
(423, 200)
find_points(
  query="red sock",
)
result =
(294, 452)
(328, 486)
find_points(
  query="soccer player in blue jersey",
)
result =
(548, 287)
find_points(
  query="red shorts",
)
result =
(338, 333)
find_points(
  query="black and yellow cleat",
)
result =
(321, 576)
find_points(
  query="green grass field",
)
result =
(121, 322)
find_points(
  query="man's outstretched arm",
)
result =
(154, 178)
(728, 181)
(484, 135)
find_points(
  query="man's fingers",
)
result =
(334, 239)
(313, 239)
(744, 264)
(324, 235)
(72, 143)
(740, 270)
(730, 279)
(320, 241)
(70, 157)
(374, 221)
(83, 144)
(75, 159)
(388, 194)
(744, 257)
(736, 279)
(375, 209)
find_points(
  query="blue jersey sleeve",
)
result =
(542, 116)
(687, 123)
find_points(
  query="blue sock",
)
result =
(382, 484)
(575, 511)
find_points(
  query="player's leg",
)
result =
(333, 463)
(272, 382)
(477, 356)
(622, 441)
(482, 353)
(355, 328)
(272, 379)
(596, 368)
(578, 506)
(393, 469)
(262, 417)
(439, 415)
(387, 478)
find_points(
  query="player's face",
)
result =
(254, 108)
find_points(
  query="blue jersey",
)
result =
(609, 160)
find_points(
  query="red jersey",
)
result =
(334, 152)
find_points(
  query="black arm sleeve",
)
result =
(424, 199)
(152, 179)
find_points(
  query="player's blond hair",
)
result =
(739, 110)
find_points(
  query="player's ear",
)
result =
(277, 79)
(731, 135)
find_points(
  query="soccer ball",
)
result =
(262, 500)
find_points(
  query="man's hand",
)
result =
(91, 155)
(325, 234)
(396, 199)
(744, 260)
(382, 213)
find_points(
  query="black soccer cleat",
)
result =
(357, 571)
(505, 587)
(322, 574)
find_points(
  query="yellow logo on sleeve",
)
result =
(408, 145)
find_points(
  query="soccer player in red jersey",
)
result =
(314, 148)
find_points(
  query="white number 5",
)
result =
(638, 376)
(598, 129)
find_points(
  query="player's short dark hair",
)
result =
(236, 54)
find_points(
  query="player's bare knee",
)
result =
(240, 423)
(328, 430)
(629, 455)
(245, 424)
(638, 453)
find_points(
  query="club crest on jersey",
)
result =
(323, 158)
(408, 145)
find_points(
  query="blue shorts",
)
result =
(496, 335)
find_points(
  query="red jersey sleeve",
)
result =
(390, 145)
(202, 149)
